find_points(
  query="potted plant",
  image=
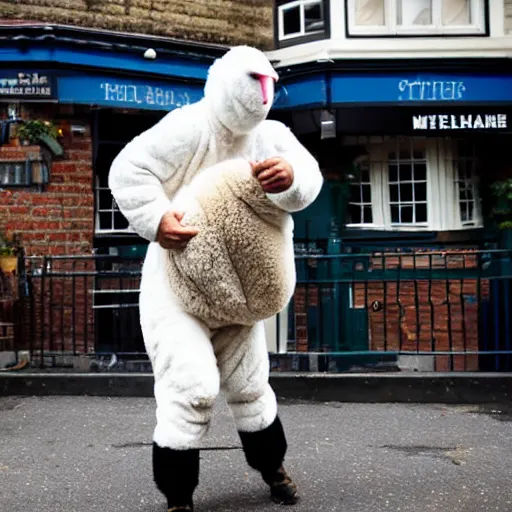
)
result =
(502, 211)
(34, 132)
(8, 254)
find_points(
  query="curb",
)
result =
(448, 388)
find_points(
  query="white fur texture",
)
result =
(192, 362)
(240, 268)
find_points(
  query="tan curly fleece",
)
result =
(239, 269)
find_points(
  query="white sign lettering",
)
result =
(430, 91)
(460, 122)
(144, 95)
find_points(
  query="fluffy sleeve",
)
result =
(307, 180)
(155, 157)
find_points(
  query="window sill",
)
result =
(415, 32)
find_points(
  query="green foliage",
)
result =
(31, 131)
(8, 245)
(502, 211)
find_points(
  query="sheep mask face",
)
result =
(240, 89)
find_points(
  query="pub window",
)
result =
(466, 182)
(415, 184)
(407, 177)
(26, 173)
(109, 219)
(301, 18)
(416, 17)
(360, 202)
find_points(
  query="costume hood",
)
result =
(239, 90)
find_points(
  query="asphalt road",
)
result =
(80, 454)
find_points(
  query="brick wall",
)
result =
(56, 220)
(213, 21)
(437, 315)
(59, 219)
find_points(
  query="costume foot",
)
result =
(282, 488)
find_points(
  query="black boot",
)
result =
(176, 474)
(265, 451)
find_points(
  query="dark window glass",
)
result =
(291, 20)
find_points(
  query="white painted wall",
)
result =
(498, 44)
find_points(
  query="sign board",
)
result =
(341, 89)
(27, 85)
(408, 120)
(450, 122)
(123, 92)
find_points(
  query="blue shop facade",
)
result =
(409, 154)
(401, 252)
(409, 151)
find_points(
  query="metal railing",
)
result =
(421, 310)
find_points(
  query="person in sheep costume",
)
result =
(208, 335)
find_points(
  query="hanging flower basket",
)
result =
(36, 132)
(8, 264)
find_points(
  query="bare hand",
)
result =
(274, 174)
(171, 234)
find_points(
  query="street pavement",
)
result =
(83, 454)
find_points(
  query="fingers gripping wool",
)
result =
(239, 269)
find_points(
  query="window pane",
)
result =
(420, 172)
(367, 194)
(314, 16)
(393, 174)
(393, 193)
(370, 13)
(406, 193)
(365, 176)
(421, 212)
(368, 217)
(405, 172)
(104, 199)
(395, 214)
(464, 211)
(291, 20)
(355, 194)
(406, 214)
(105, 220)
(354, 214)
(420, 191)
(456, 12)
(120, 221)
(470, 211)
(414, 12)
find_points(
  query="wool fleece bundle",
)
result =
(220, 259)
(240, 268)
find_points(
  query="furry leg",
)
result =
(176, 474)
(184, 365)
(244, 368)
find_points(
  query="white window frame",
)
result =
(302, 33)
(391, 26)
(112, 210)
(443, 204)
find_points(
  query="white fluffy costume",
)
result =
(193, 358)
(240, 268)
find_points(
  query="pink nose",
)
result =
(267, 84)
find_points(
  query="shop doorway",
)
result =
(120, 250)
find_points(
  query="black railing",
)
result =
(438, 311)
